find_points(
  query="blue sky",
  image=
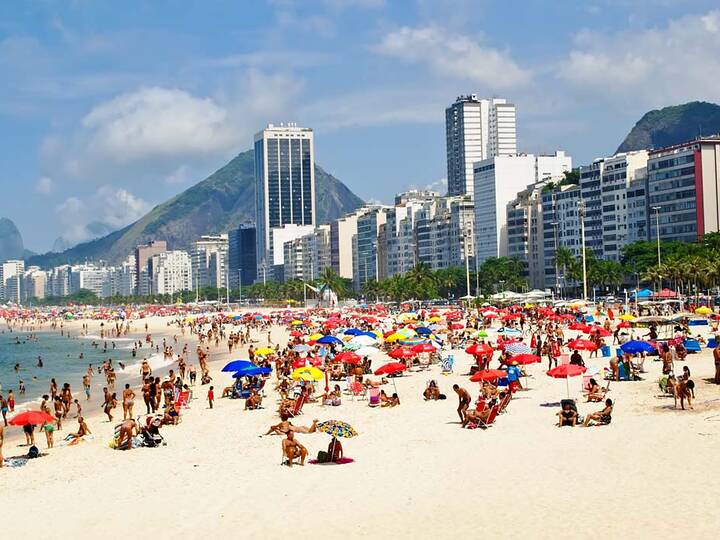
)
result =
(107, 108)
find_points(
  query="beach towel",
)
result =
(341, 461)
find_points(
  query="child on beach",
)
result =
(211, 396)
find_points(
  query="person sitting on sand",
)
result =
(253, 401)
(567, 416)
(128, 429)
(603, 416)
(170, 417)
(432, 392)
(595, 392)
(332, 397)
(293, 449)
(83, 430)
(477, 415)
(334, 452)
(393, 401)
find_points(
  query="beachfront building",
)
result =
(35, 281)
(683, 190)
(475, 130)
(369, 250)
(342, 237)
(11, 281)
(209, 256)
(308, 256)
(526, 233)
(97, 279)
(170, 272)
(143, 254)
(444, 233)
(242, 256)
(284, 186)
(58, 283)
(123, 277)
(497, 182)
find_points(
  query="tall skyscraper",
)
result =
(284, 183)
(476, 129)
(242, 256)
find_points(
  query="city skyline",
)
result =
(79, 149)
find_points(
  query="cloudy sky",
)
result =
(107, 108)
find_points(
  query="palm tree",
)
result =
(563, 259)
(331, 280)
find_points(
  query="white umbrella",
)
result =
(363, 341)
(367, 351)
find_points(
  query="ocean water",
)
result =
(61, 360)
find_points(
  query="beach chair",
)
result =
(491, 418)
(358, 390)
(374, 397)
(447, 365)
(349, 381)
(563, 359)
(504, 402)
(297, 409)
(182, 401)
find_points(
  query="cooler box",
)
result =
(692, 345)
(712, 343)
(605, 351)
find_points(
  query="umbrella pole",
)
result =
(567, 384)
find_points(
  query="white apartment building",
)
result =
(209, 260)
(171, 272)
(308, 256)
(35, 281)
(497, 181)
(11, 281)
(342, 234)
(92, 278)
(476, 129)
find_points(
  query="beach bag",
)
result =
(323, 457)
(33, 452)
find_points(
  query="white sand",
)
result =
(651, 473)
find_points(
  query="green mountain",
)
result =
(219, 203)
(673, 125)
(11, 242)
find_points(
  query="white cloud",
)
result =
(655, 66)
(44, 185)
(449, 54)
(118, 207)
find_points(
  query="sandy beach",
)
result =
(416, 473)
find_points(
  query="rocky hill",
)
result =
(673, 125)
(11, 242)
(219, 203)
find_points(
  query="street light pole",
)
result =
(467, 265)
(557, 268)
(657, 231)
(581, 215)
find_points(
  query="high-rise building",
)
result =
(683, 190)
(284, 183)
(143, 254)
(497, 182)
(92, 278)
(369, 250)
(11, 280)
(209, 259)
(476, 129)
(242, 256)
(35, 283)
(342, 234)
(171, 272)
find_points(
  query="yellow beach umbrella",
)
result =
(264, 351)
(315, 337)
(307, 373)
(627, 317)
(392, 338)
(435, 319)
(297, 323)
(704, 310)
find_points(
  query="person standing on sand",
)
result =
(86, 385)
(463, 401)
(128, 401)
(716, 356)
(2, 440)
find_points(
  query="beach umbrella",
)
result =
(479, 348)
(301, 348)
(401, 353)
(237, 365)
(579, 326)
(329, 340)
(704, 310)
(627, 317)
(582, 345)
(390, 368)
(488, 375)
(295, 333)
(525, 359)
(424, 348)
(337, 428)
(395, 337)
(300, 362)
(348, 357)
(264, 351)
(565, 371)
(252, 371)
(32, 418)
(635, 347)
(519, 347)
(481, 333)
(307, 373)
(624, 324)
(367, 351)
(423, 331)
(315, 337)
(352, 332)
(364, 340)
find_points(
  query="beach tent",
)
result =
(642, 293)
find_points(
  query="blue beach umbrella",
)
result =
(423, 331)
(352, 332)
(252, 371)
(237, 365)
(636, 347)
(329, 339)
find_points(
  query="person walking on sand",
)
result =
(211, 396)
(128, 401)
(463, 401)
(716, 357)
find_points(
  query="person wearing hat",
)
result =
(513, 377)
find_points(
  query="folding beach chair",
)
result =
(491, 418)
(447, 365)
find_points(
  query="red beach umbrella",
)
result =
(401, 352)
(348, 357)
(390, 368)
(33, 418)
(524, 359)
(423, 348)
(582, 345)
(566, 371)
(488, 375)
(479, 348)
